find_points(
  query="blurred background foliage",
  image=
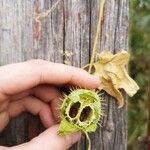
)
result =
(139, 42)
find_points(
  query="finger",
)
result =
(26, 75)
(4, 119)
(49, 140)
(21, 95)
(52, 95)
(43, 92)
(55, 107)
(46, 92)
(4, 106)
(55, 141)
(34, 106)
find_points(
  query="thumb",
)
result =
(49, 140)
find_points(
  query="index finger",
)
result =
(15, 78)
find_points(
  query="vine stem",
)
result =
(98, 32)
(45, 14)
(89, 140)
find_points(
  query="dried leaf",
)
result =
(113, 75)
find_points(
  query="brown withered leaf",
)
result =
(113, 75)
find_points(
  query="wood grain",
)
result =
(69, 29)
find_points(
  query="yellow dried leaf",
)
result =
(113, 75)
(110, 89)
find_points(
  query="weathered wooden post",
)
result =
(70, 27)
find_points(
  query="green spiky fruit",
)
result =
(80, 110)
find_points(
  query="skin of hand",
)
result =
(32, 86)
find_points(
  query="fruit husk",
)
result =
(80, 111)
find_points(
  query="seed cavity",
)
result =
(86, 114)
(74, 109)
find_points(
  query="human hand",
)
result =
(32, 86)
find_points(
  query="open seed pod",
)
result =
(80, 110)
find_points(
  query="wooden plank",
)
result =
(77, 31)
(70, 28)
(112, 135)
(17, 43)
